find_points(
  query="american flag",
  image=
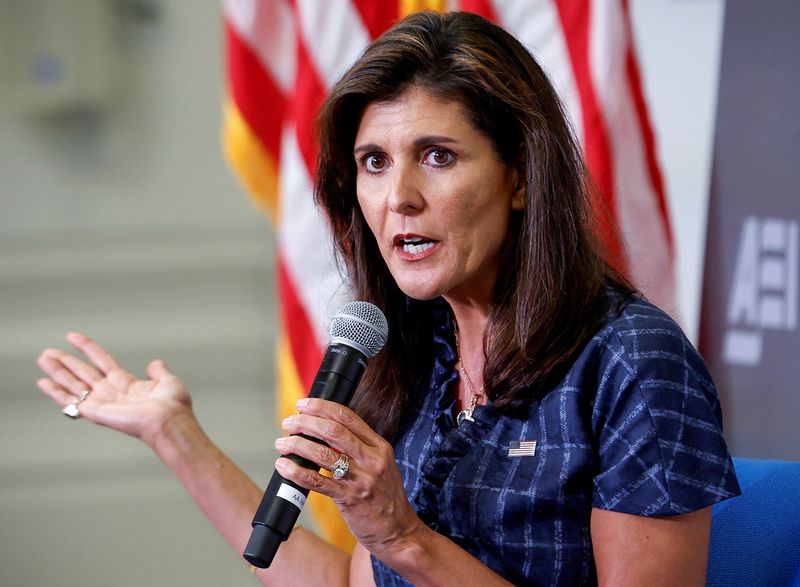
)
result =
(523, 448)
(284, 55)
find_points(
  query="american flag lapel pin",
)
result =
(524, 448)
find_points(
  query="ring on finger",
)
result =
(71, 409)
(341, 466)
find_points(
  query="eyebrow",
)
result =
(420, 142)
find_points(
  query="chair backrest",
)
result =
(755, 538)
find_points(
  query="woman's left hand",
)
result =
(370, 496)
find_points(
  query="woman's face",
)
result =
(436, 196)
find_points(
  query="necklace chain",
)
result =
(466, 413)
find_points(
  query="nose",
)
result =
(405, 195)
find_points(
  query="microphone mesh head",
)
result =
(360, 325)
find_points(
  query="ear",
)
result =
(518, 197)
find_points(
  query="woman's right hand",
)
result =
(116, 398)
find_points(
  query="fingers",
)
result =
(334, 433)
(341, 414)
(104, 361)
(310, 479)
(157, 369)
(331, 425)
(56, 393)
(338, 426)
(63, 397)
(75, 375)
(71, 374)
(320, 454)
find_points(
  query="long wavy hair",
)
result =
(546, 302)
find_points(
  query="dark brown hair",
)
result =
(547, 301)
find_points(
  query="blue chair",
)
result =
(755, 538)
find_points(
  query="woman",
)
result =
(532, 420)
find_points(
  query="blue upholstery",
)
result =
(755, 538)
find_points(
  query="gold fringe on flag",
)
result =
(406, 7)
(253, 164)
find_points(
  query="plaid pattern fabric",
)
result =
(634, 427)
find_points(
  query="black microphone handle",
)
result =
(336, 380)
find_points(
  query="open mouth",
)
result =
(414, 245)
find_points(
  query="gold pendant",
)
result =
(465, 415)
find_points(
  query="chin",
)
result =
(419, 291)
(420, 294)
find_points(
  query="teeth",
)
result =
(409, 247)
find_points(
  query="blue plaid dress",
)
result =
(633, 427)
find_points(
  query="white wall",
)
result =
(123, 220)
(679, 47)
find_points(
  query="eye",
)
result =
(373, 162)
(439, 157)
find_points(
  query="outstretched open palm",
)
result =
(116, 398)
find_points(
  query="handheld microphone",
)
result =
(358, 331)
